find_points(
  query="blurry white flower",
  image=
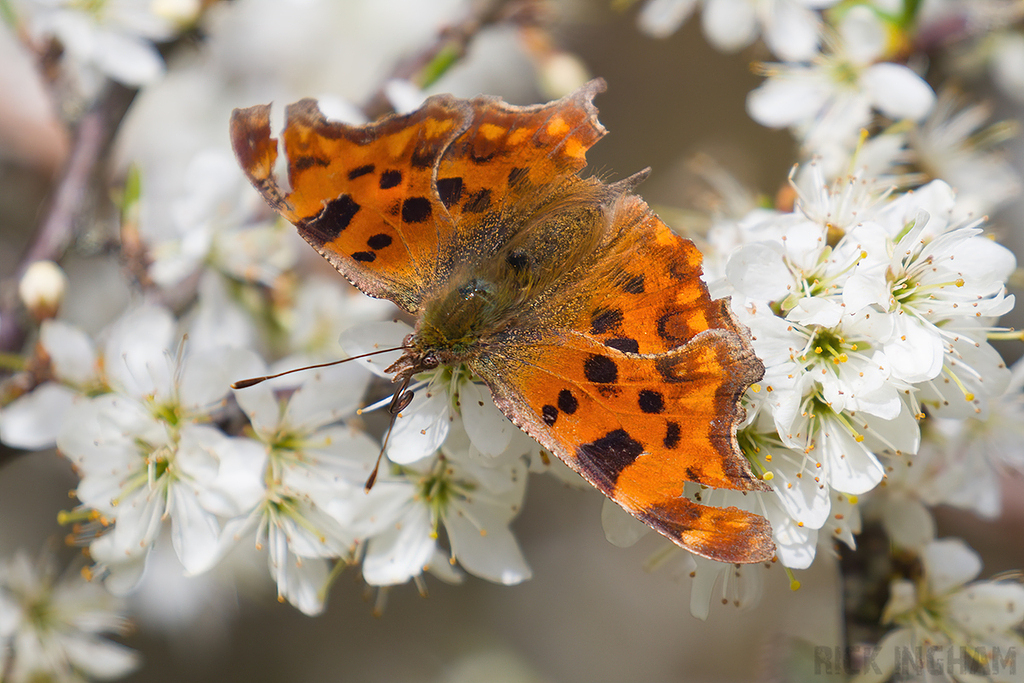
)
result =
(210, 225)
(828, 101)
(942, 615)
(963, 462)
(323, 308)
(51, 627)
(956, 145)
(114, 38)
(1008, 63)
(790, 28)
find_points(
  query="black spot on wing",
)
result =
(651, 401)
(606, 458)
(360, 171)
(549, 414)
(416, 210)
(379, 241)
(302, 163)
(335, 217)
(449, 190)
(600, 369)
(672, 433)
(390, 178)
(364, 256)
(623, 344)
(567, 403)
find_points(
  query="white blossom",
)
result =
(791, 28)
(52, 627)
(942, 613)
(829, 100)
(143, 457)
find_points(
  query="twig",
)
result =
(63, 219)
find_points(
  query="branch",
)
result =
(64, 218)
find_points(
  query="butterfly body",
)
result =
(581, 311)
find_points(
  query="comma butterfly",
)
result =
(581, 311)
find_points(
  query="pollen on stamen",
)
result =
(756, 388)
(768, 476)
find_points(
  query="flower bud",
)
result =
(42, 289)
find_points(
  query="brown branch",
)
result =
(64, 217)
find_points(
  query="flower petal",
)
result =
(898, 92)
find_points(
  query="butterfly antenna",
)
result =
(243, 383)
(399, 402)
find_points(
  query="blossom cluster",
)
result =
(872, 289)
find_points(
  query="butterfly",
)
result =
(567, 296)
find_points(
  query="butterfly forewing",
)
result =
(508, 154)
(363, 196)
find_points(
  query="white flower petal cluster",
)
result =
(472, 499)
(867, 309)
(114, 38)
(829, 100)
(144, 455)
(52, 627)
(310, 474)
(461, 465)
(962, 462)
(946, 612)
(210, 225)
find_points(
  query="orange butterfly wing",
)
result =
(396, 205)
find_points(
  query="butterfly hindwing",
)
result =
(640, 427)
